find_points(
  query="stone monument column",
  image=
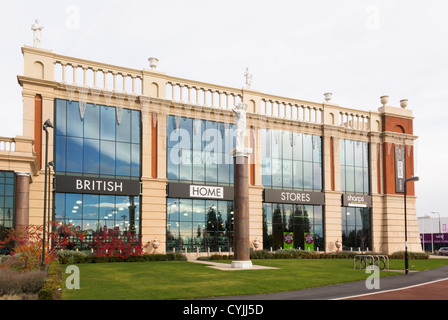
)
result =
(22, 199)
(241, 193)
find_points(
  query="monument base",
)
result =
(242, 264)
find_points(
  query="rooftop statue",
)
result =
(37, 28)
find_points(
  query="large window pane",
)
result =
(124, 127)
(60, 153)
(107, 158)
(91, 156)
(108, 121)
(74, 154)
(74, 124)
(61, 115)
(92, 122)
(123, 162)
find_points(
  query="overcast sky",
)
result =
(358, 50)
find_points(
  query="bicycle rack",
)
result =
(362, 261)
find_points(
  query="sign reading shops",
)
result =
(294, 197)
(359, 201)
(73, 184)
(183, 190)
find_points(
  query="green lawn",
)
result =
(170, 280)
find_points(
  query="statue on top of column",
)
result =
(240, 118)
(37, 28)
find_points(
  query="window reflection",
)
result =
(92, 212)
(291, 160)
(199, 151)
(299, 219)
(356, 228)
(99, 143)
(199, 225)
(354, 167)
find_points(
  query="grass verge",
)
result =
(171, 280)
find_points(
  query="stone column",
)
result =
(22, 199)
(241, 210)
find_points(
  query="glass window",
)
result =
(124, 127)
(299, 219)
(286, 169)
(356, 231)
(198, 155)
(199, 224)
(355, 167)
(75, 125)
(97, 144)
(92, 122)
(61, 117)
(91, 156)
(108, 123)
(74, 154)
(7, 201)
(107, 158)
(60, 153)
(93, 212)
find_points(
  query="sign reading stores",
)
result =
(294, 197)
(69, 184)
(360, 201)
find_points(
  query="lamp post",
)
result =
(49, 216)
(46, 125)
(406, 260)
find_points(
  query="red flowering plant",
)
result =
(66, 236)
(26, 244)
(113, 243)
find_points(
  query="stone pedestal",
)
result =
(241, 210)
(22, 199)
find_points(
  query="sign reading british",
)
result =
(75, 184)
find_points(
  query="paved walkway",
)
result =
(423, 285)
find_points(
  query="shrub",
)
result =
(13, 282)
(411, 255)
(51, 289)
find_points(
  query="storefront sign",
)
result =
(71, 184)
(353, 200)
(437, 238)
(288, 240)
(183, 190)
(294, 197)
(400, 169)
(309, 241)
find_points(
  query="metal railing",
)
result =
(365, 260)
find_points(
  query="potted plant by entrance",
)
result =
(338, 245)
(256, 243)
(155, 244)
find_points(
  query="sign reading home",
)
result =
(71, 184)
(294, 197)
(182, 190)
(359, 201)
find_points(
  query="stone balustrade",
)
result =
(126, 84)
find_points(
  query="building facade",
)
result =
(433, 231)
(145, 152)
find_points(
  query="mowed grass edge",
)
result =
(171, 280)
